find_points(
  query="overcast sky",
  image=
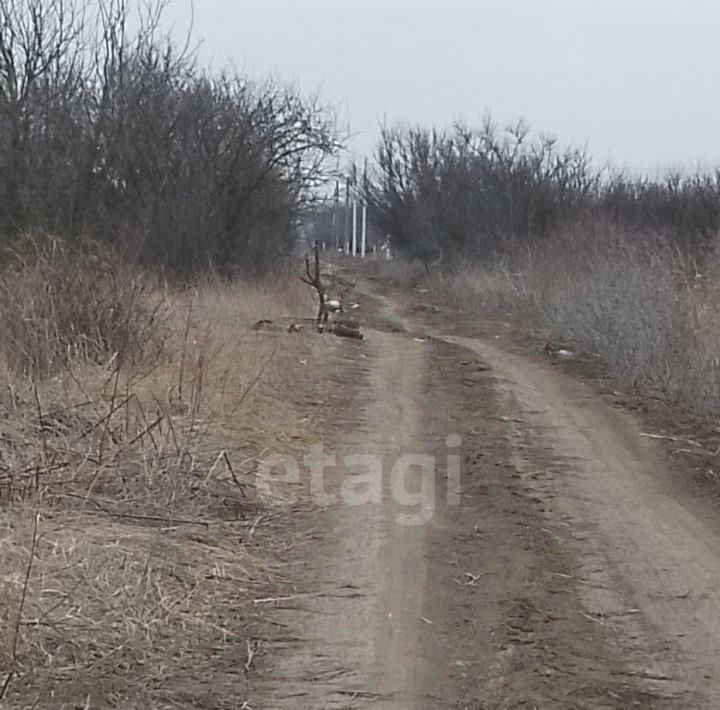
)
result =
(637, 80)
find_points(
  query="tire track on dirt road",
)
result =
(507, 600)
(361, 631)
(648, 553)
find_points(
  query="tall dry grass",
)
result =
(630, 300)
(62, 304)
(128, 511)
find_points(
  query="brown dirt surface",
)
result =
(575, 570)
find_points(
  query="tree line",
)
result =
(464, 194)
(111, 130)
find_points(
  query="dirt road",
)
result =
(361, 628)
(565, 568)
(648, 555)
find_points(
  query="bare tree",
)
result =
(120, 135)
(450, 195)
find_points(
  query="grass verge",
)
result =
(129, 514)
(630, 301)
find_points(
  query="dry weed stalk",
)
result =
(128, 514)
(631, 300)
(61, 304)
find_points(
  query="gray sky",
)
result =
(635, 79)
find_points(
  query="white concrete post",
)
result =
(354, 228)
(363, 237)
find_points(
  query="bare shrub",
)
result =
(621, 298)
(500, 286)
(452, 195)
(461, 193)
(62, 304)
(110, 128)
(630, 299)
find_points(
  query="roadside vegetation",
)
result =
(622, 269)
(110, 130)
(131, 530)
(148, 214)
(149, 209)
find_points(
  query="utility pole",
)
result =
(347, 215)
(354, 213)
(363, 239)
(354, 226)
(336, 217)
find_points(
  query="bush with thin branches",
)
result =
(62, 304)
(632, 300)
(121, 136)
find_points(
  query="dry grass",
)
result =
(376, 266)
(629, 300)
(128, 511)
(62, 304)
(502, 288)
